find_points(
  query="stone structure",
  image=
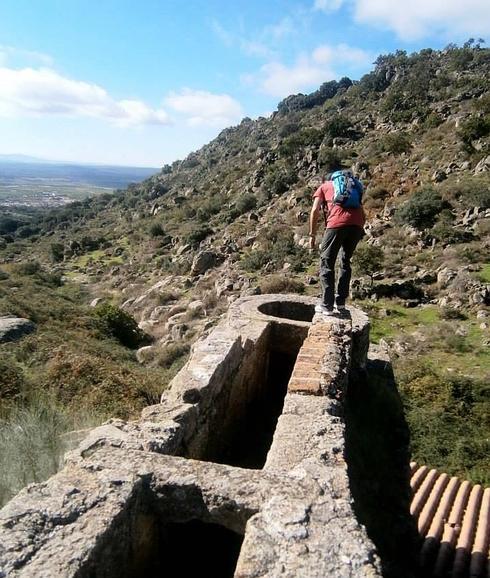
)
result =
(239, 471)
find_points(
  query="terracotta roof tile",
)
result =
(453, 517)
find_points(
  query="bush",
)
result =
(472, 129)
(278, 182)
(57, 252)
(445, 232)
(198, 234)
(368, 259)
(422, 209)
(277, 247)
(246, 202)
(449, 313)
(468, 191)
(338, 125)
(299, 140)
(288, 129)
(156, 230)
(281, 284)
(396, 143)
(29, 268)
(11, 379)
(121, 325)
(329, 159)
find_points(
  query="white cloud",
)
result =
(309, 70)
(224, 35)
(37, 92)
(417, 19)
(281, 30)
(420, 18)
(346, 55)
(23, 57)
(205, 108)
(279, 80)
(256, 48)
(328, 5)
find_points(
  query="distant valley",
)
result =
(29, 182)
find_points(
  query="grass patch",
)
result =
(32, 443)
(442, 367)
(389, 318)
(484, 273)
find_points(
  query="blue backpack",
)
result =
(347, 190)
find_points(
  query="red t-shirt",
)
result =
(338, 216)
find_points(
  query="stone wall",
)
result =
(130, 487)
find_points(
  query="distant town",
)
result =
(34, 183)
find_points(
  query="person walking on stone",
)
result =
(340, 200)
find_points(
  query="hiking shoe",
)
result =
(341, 308)
(324, 310)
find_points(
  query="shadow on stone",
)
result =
(296, 311)
(166, 531)
(250, 442)
(377, 453)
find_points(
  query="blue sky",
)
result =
(145, 83)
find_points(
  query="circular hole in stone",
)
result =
(288, 310)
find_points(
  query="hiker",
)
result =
(340, 200)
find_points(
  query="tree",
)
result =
(367, 260)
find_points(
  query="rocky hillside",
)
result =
(231, 219)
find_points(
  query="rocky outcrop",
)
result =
(203, 261)
(13, 328)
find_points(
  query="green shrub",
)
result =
(277, 247)
(329, 159)
(288, 129)
(472, 129)
(28, 268)
(396, 143)
(156, 230)
(121, 325)
(450, 313)
(198, 234)
(281, 284)
(468, 191)
(367, 259)
(338, 126)
(11, 379)
(445, 232)
(278, 182)
(254, 260)
(57, 252)
(246, 202)
(422, 209)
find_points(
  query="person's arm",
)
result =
(315, 210)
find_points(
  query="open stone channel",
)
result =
(239, 471)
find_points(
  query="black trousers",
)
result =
(345, 240)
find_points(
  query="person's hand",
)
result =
(312, 242)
